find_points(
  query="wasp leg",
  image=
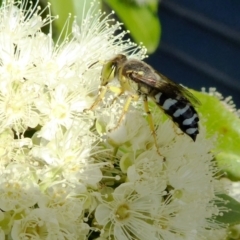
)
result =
(119, 93)
(99, 98)
(151, 124)
(102, 93)
(125, 109)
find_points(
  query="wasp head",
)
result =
(111, 67)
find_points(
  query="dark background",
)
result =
(200, 44)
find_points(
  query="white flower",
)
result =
(59, 107)
(13, 21)
(16, 108)
(6, 146)
(133, 129)
(70, 153)
(43, 224)
(18, 190)
(148, 174)
(67, 203)
(233, 188)
(128, 215)
(17, 90)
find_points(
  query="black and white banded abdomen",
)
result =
(181, 112)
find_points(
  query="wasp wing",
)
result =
(179, 89)
(166, 86)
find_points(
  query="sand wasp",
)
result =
(139, 79)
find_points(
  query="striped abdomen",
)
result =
(181, 112)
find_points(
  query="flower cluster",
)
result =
(227, 102)
(63, 174)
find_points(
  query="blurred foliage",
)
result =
(141, 20)
(231, 210)
(63, 9)
(66, 11)
(225, 125)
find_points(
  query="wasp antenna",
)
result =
(93, 64)
(99, 61)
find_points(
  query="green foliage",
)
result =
(232, 214)
(142, 21)
(81, 7)
(225, 125)
(63, 8)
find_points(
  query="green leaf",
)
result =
(74, 7)
(229, 163)
(232, 215)
(142, 21)
(62, 8)
(219, 120)
(81, 8)
(153, 6)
